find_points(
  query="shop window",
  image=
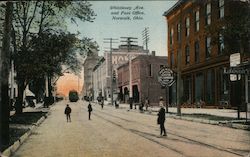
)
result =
(187, 89)
(199, 84)
(210, 87)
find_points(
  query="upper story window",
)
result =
(179, 32)
(150, 70)
(187, 23)
(171, 36)
(197, 21)
(221, 8)
(208, 47)
(197, 51)
(172, 59)
(221, 44)
(208, 13)
(187, 54)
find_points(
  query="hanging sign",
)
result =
(166, 77)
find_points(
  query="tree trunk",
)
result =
(19, 102)
(4, 78)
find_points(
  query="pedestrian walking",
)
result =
(146, 103)
(67, 111)
(161, 117)
(102, 101)
(90, 110)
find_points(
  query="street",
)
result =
(121, 133)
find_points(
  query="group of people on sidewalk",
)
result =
(160, 120)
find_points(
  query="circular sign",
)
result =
(166, 77)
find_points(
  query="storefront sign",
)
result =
(166, 77)
(234, 61)
(237, 71)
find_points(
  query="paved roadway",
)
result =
(121, 133)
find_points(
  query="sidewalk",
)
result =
(29, 109)
(222, 117)
(216, 112)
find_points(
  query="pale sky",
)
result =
(104, 26)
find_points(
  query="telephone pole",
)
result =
(145, 37)
(129, 43)
(110, 41)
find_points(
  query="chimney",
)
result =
(153, 53)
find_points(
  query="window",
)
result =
(197, 51)
(150, 70)
(171, 36)
(187, 84)
(187, 22)
(172, 59)
(197, 21)
(208, 47)
(223, 84)
(221, 44)
(210, 87)
(199, 85)
(221, 8)
(248, 89)
(187, 55)
(179, 32)
(208, 13)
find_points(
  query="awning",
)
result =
(28, 93)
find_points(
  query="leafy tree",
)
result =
(34, 21)
(234, 28)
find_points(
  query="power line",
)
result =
(145, 37)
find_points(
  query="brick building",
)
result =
(144, 79)
(203, 62)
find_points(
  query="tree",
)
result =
(4, 75)
(233, 29)
(34, 20)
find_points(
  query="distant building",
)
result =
(100, 79)
(88, 67)
(203, 62)
(145, 83)
(102, 72)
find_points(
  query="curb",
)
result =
(212, 122)
(13, 148)
(203, 121)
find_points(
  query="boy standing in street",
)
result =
(90, 110)
(161, 117)
(67, 111)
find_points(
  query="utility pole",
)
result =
(4, 77)
(145, 37)
(129, 41)
(111, 41)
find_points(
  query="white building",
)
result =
(88, 67)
